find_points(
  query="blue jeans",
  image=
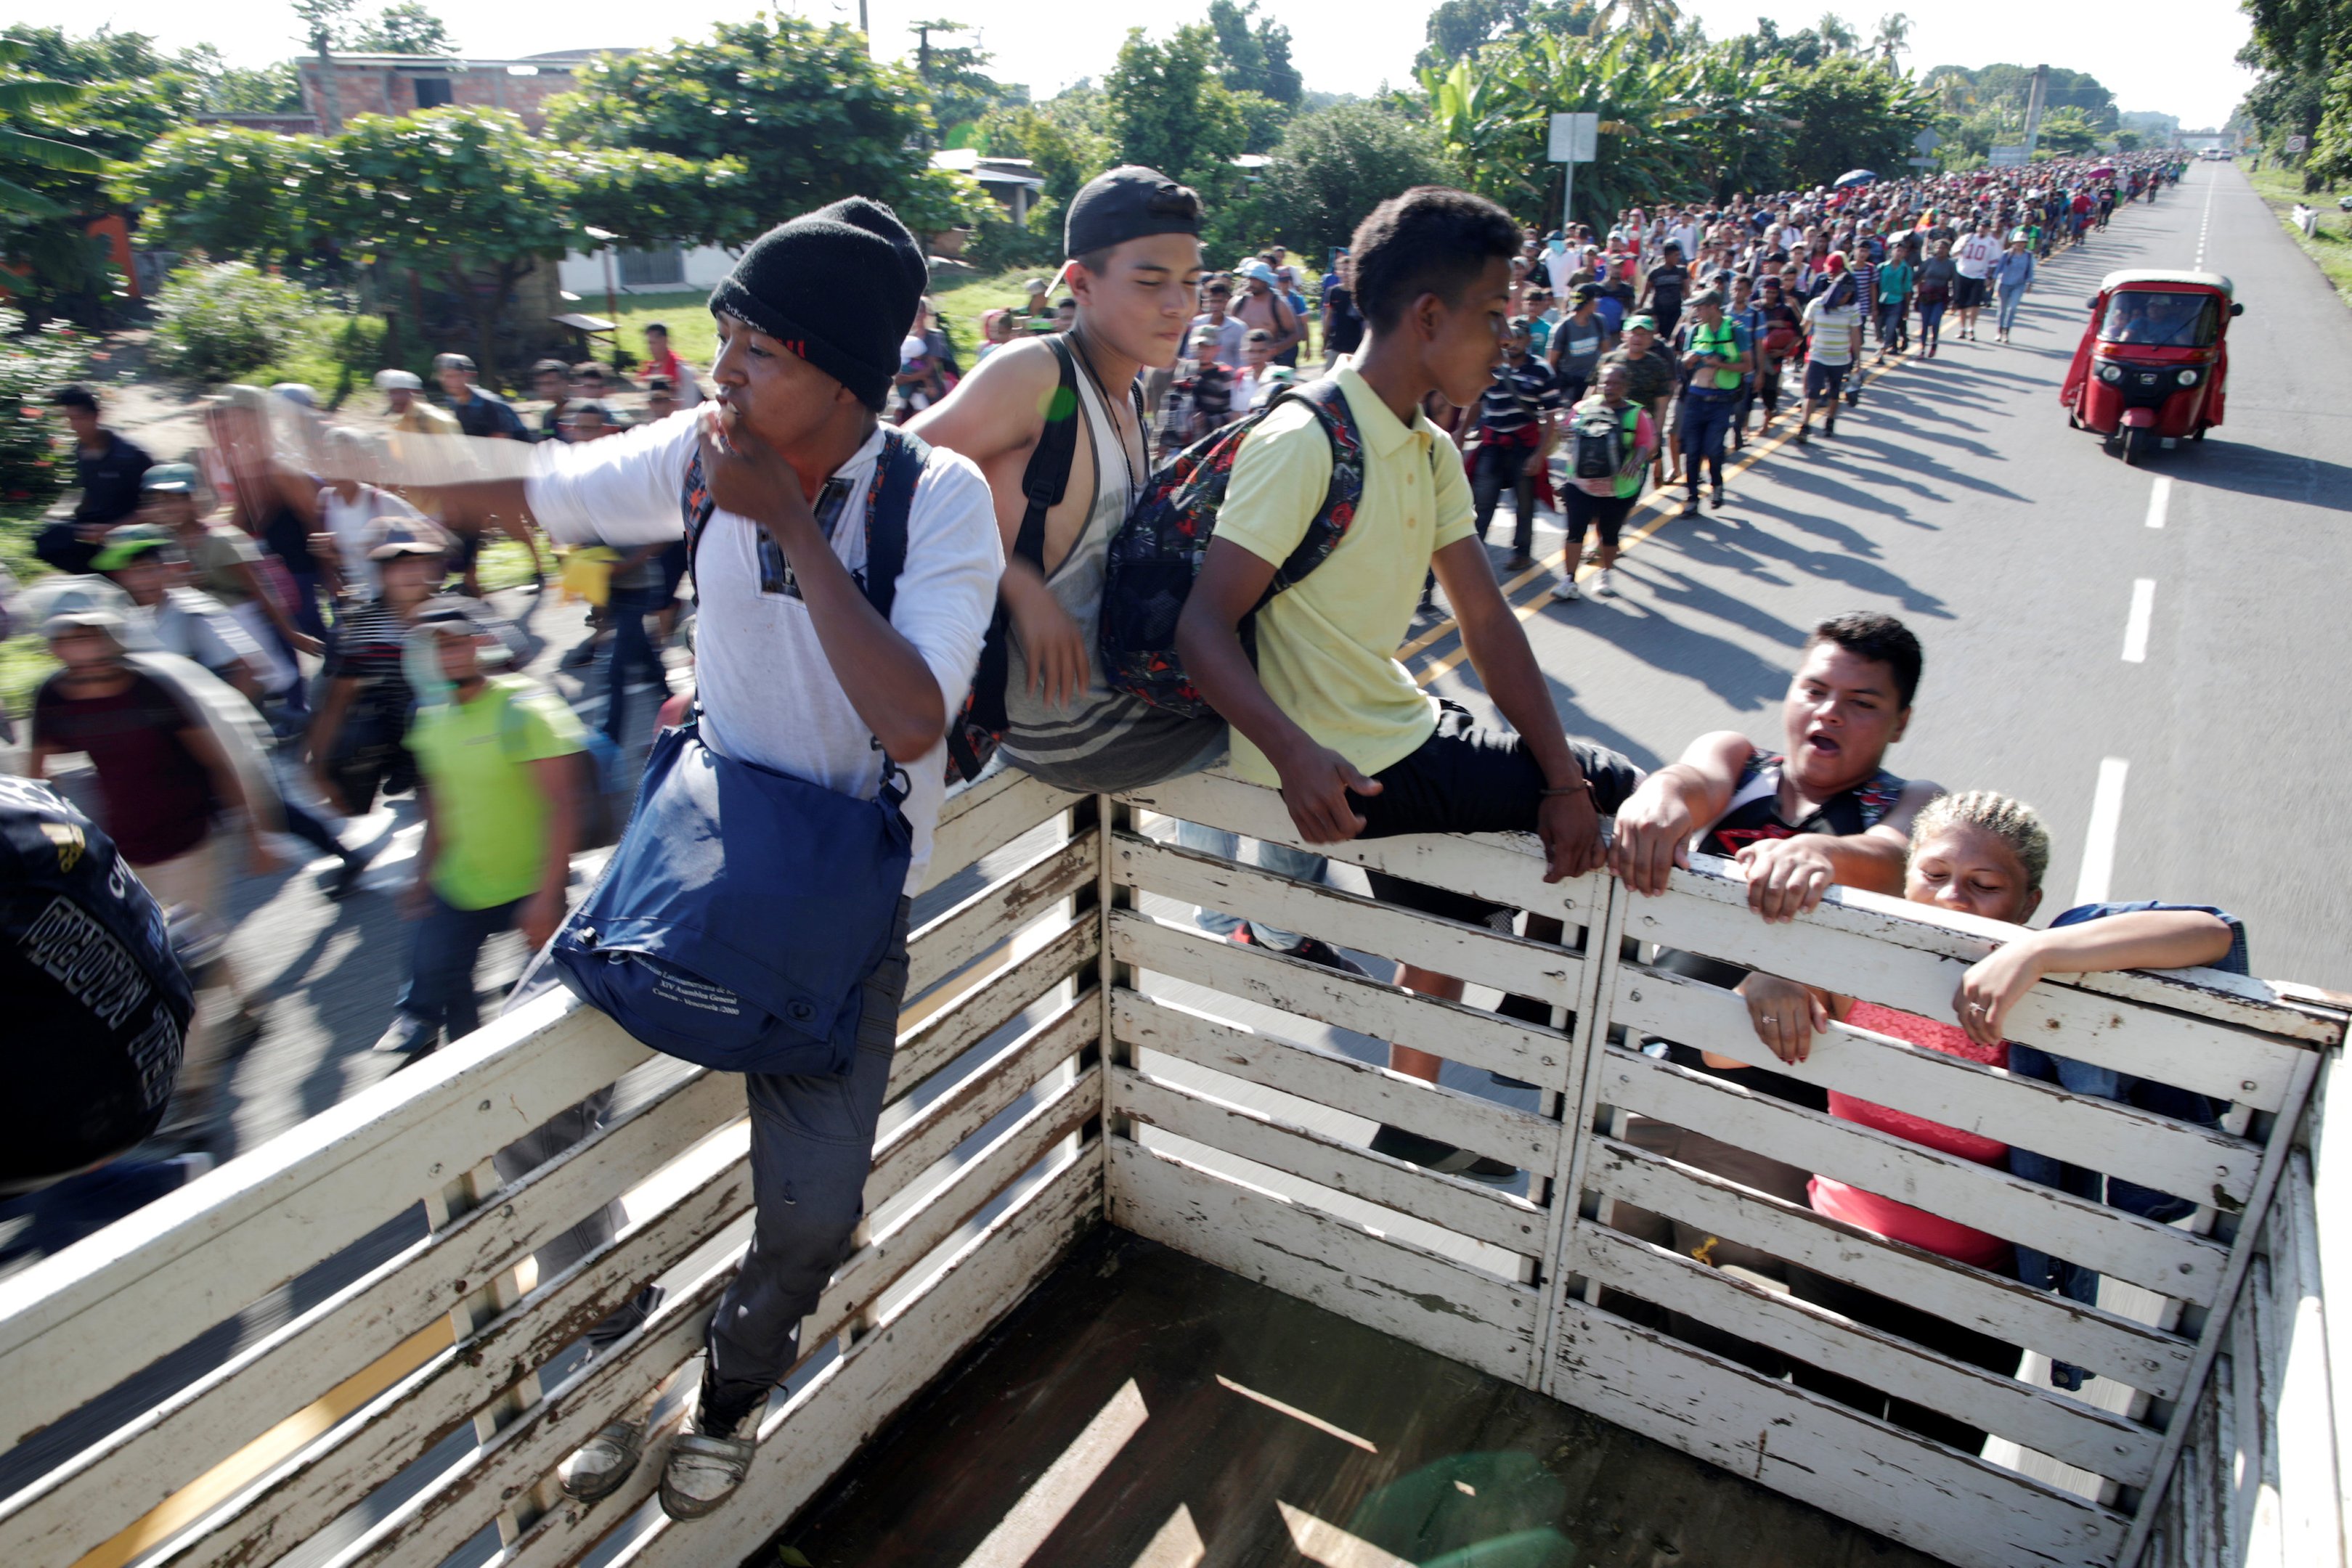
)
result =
(2011, 298)
(1706, 424)
(1279, 858)
(440, 987)
(627, 609)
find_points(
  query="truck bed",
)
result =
(1142, 1407)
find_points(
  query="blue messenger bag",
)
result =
(744, 908)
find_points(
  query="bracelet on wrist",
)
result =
(1581, 787)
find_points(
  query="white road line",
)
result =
(2159, 501)
(2099, 844)
(2143, 605)
(2212, 185)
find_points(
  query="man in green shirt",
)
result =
(496, 772)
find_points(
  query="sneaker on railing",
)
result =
(1443, 1157)
(600, 1466)
(705, 1465)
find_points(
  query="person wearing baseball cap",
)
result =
(221, 564)
(1263, 308)
(493, 771)
(1650, 376)
(403, 394)
(1132, 235)
(798, 672)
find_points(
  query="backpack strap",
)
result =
(1345, 493)
(889, 501)
(1046, 479)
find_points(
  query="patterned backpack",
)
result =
(1157, 551)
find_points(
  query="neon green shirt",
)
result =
(489, 815)
(1326, 648)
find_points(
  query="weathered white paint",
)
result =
(2066, 1428)
(1506, 868)
(1948, 1504)
(2196, 1163)
(995, 912)
(1360, 1088)
(1455, 1202)
(2132, 1353)
(1986, 1196)
(1433, 1301)
(1472, 952)
(1463, 1034)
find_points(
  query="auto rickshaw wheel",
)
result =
(2199, 434)
(2138, 441)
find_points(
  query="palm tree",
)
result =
(1892, 38)
(24, 157)
(1638, 16)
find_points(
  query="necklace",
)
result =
(1110, 411)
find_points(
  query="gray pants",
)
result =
(1279, 858)
(811, 1149)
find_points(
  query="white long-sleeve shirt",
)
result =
(768, 693)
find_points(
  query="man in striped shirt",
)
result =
(1517, 425)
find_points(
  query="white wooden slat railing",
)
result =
(1073, 1047)
(320, 1415)
(1221, 1058)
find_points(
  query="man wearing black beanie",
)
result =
(797, 672)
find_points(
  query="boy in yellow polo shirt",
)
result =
(1328, 714)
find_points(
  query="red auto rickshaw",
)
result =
(2154, 363)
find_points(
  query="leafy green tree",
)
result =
(1666, 119)
(1066, 136)
(463, 197)
(1850, 115)
(807, 112)
(406, 28)
(1334, 166)
(2068, 133)
(1256, 52)
(1169, 109)
(956, 78)
(228, 191)
(1456, 29)
(29, 159)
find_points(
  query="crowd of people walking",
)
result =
(907, 574)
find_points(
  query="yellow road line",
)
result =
(1548, 567)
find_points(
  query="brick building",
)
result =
(402, 84)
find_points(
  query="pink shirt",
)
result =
(1900, 1221)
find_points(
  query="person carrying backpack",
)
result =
(1611, 438)
(846, 573)
(502, 818)
(1325, 712)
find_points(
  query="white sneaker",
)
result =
(1565, 590)
(704, 1470)
(1604, 584)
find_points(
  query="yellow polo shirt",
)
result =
(1326, 648)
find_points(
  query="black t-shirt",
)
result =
(1753, 816)
(1667, 281)
(487, 413)
(1346, 333)
(110, 480)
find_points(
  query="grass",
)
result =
(2330, 242)
(25, 660)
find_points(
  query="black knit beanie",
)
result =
(838, 286)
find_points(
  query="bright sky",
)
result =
(2174, 56)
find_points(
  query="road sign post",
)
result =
(1574, 140)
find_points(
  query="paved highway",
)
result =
(1957, 497)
